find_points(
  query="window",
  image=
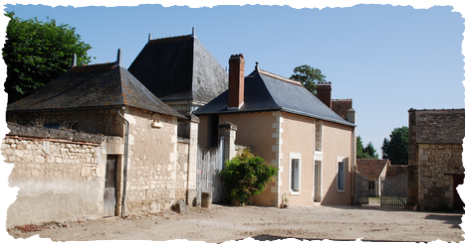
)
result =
(371, 185)
(340, 175)
(318, 136)
(294, 173)
(317, 182)
(213, 130)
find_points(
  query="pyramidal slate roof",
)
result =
(179, 68)
(265, 91)
(93, 87)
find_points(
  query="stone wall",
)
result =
(152, 161)
(60, 173)
(106, 122)
(182, 168)
(438, 164)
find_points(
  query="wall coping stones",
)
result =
(227, 126)
(61, 134)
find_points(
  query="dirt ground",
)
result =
(224, 223)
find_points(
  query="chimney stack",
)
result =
(236, 82)
(323, 92)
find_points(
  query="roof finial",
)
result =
(74, 61)
(256, 66)
(150, 36)
(119, 58)
(193, 32)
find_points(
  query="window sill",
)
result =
(294, 193)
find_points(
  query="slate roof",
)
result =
(265, 91)
(440, 126)
(371, 168)
(92, 87)
(341, 107)
(179, 68)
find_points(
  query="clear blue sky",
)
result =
(387, 59)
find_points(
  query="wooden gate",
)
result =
(209, 165)
(109, 199)
(361, 190)
(458, 180)
(394, 191)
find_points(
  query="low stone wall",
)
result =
(438, 164)
(60, 174)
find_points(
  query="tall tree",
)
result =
(308, 76)
(368, 152)
(396, 149)
(37, 52)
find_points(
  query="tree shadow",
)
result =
(267, 239)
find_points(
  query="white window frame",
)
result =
(318, 123)
(297, 156)
(341, 159)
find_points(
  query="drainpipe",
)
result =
(125, 168)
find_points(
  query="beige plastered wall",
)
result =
(337, 145)
(255, 131)
(274, 136)
(152, 164)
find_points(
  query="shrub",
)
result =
(246, 175)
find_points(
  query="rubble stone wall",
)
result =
(152, 165)
(438, 164)
(60, 173)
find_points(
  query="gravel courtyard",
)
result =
(224, 223)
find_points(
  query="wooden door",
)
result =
(109, 199)
(458, 180)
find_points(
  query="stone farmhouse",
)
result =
(291, 129)
(107, 147)
(435, 166)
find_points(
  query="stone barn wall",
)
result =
(60, 173)
(438, 164)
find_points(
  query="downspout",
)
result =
(125, 168)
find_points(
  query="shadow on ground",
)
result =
(266, 239)
(452, 219)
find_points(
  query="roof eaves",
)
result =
(317, 117)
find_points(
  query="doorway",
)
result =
(109, 198)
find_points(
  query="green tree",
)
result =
(37, 52)
(368, 152)
(246, 175)
(308, 76)
(396, 149)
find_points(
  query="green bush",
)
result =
(246, 175)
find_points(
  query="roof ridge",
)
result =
(341, 99)
(281, 78)
(94, 67)
(451, 109)
(167, 39)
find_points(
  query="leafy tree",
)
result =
(396, 149)
(246, 175)
(368, 152)
(37, 52)
(308, 76)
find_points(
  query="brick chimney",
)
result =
(236, 82)
(323, 92)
